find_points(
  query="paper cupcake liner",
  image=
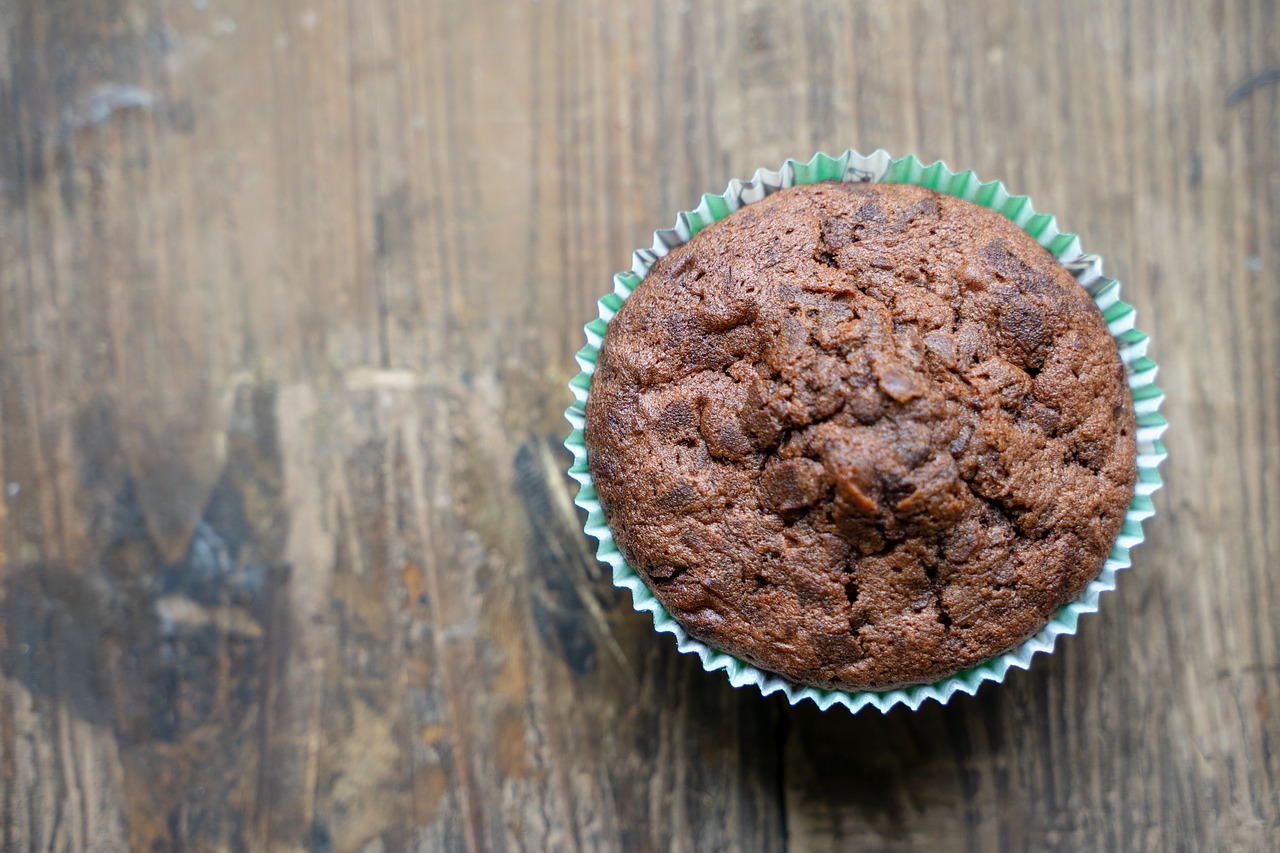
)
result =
(881, 167)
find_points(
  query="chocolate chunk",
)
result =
(791, 484)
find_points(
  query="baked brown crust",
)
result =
(862, 435)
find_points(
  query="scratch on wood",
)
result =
(309, 548)
(424, 484)
(104, 101)
(1251, 84)
(376, 379)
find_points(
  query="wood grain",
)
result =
(289, 294)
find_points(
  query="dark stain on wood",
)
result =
(555, 561)
(179, 656)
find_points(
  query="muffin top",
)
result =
(862, 435)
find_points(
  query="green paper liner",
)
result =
(881, 167)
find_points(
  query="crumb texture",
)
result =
(862, 435)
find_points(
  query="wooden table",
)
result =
(289, 295)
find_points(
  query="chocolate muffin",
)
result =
(862, 435)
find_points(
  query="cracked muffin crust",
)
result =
(862, 435)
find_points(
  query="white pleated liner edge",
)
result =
(880, 166)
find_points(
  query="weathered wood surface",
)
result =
(289, 294)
